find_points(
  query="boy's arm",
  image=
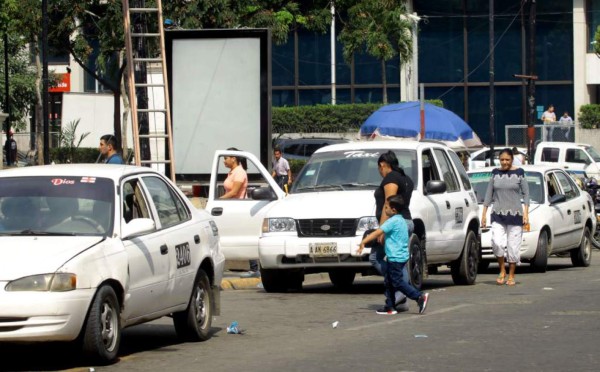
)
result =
(369, 238)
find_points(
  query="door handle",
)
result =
(568, 211)
(216, 211)
(164, 249)
(466, 202)
(447, 204)
(196, 239)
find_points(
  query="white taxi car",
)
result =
(561, 217)
(90, 249)
(318, 226)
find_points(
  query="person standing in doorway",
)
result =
(109, 150)
(549, 118)
(282, 174)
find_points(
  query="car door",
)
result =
(181, 234)
(240, 220)
(148, 260)
(575, 207)
(439, 211)
(576, 159)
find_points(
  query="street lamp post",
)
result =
(45, 81)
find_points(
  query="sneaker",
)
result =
(422, 301)
(250, 274)
(386, 311)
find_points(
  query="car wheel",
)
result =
(415, 262)
(433, 269)
(582, 255)
(464, 269)
(102, 330)
(194, 323)
(342, 278)
(596, 238)
(539, 262)
(295, 279)
(273, 280)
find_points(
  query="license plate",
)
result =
(322, 249)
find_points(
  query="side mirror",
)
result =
(435, 187)
(558, 198)
(263, 193)
(137, 226)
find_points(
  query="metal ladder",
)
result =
(149, 55)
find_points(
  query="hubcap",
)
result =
(200, 305)
(109, 324)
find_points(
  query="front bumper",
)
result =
(42, 316)
(289, 251)
(528, 246)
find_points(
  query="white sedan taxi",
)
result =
(561, 217)
(89, 249)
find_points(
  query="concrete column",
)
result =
(581, 93)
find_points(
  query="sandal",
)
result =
(511, 282)
(500, 279)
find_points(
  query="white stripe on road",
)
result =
(411, 317)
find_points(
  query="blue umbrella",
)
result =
(404, 120)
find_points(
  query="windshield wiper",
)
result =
(318, 187)
(358, 184)
(45, 233)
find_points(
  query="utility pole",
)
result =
(6, 90)
(45, 82)
(492, 90)
(532, 79)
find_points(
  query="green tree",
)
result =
(597, 42)
(381, 28)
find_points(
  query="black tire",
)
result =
(582, 255)
(464, 269)
(194, 323)
(342, 278)
(274, 280)
(433, 269)
(539, 262)
(295, 278)
(595, 238)
(416, 262)
(102, 329)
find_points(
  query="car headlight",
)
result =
(367, 223)
(58, 282)
(278, 225)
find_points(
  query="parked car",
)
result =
(303, 148)
(90, 249)
(478, 159)
(575, 157)
(317, 228)
(561, 217)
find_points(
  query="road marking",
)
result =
(576, 312)
(402, 318)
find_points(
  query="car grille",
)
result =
(327, 227)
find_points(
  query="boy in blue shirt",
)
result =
(396, 251)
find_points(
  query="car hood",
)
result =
(327, 204)
(29, 255)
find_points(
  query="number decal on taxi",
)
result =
(577, 216)
(183, 255)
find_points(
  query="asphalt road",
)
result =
(548, 322)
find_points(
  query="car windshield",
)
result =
(58, 205)
(349, 170)
(480, 181)
(593, 153)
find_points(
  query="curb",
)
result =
(240, 283)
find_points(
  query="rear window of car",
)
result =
(550, 154)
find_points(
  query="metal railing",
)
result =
(516, 135)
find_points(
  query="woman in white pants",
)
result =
(506, 189)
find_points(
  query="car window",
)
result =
(134, 203)
(429, 168)
(550, 154)
(57, 205)
(447, 171)
(480, 181)
(171, 210)
(482, 156)
(464, 177)
(552, 183)
(577, 156)
(569, 188)
(593, 153)
(350, 169)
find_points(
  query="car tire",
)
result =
(194, 323)
(464, 269)
(102, 329)
(342, 278)
(539, 262)
(582, 255)
(274, 280)
(416, 262)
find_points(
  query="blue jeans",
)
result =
(378, 251)
(253, 265)
(395, 281)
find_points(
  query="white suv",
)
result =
(317, 228)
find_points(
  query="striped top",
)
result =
(505, 191)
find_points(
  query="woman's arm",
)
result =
(235, 189)
(389, 189)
